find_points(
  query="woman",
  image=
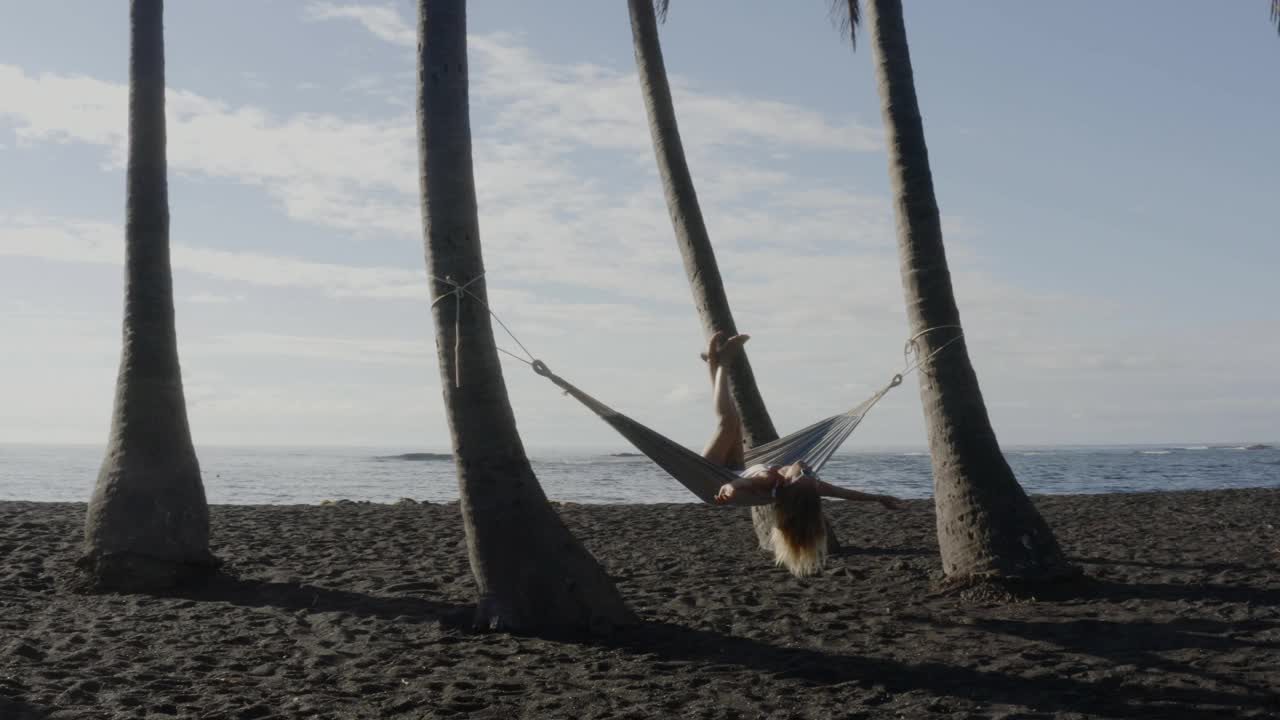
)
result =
(799, 533)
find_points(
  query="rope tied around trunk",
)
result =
(912, 349)
(459, 291)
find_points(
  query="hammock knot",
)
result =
(540, 368)
(896, 381)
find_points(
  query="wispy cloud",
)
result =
(208, 298)
(383, 21)
(376, 351)
(544, 217)
(82, 241)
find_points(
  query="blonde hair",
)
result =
(799, 531)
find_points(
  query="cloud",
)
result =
(599, 107)
(303, 160)
(85, 241)
(543, 217)
(381, 20)
(588, 104)
(208, 298)
(63, 108)
(681, 394)
(376, 351)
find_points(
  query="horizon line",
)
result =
(406, 448)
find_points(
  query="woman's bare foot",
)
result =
(720, 350)
(730, 349)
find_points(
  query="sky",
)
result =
(1108, 175)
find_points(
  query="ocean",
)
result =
(250, 476)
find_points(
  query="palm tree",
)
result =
(987, 526)
(691, 235)
(148, 522)
(530, 571)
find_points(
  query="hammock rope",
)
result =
(459, 291)
(814, 444)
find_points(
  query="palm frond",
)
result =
(846, 15)
(660, 7)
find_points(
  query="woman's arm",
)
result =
(762, 483)
(826, 489)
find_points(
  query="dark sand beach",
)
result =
(349, 611)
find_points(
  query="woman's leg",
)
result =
(725, 447)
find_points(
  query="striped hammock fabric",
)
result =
(814, 444)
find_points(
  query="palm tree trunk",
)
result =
(686, 215)
(695, 244)
(147, 525)
(987, 526)
(530, 572)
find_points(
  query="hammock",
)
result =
(814, 444)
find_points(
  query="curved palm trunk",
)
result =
(987, 527)
(530, 571)
(148, 522)
(695, 244)
(686, 216)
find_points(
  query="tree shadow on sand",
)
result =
(249, 592)
(1206, 567)
(1207, 592)
(1138, 642)
(1117, 591)
(1110, 697)
(13, 709)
